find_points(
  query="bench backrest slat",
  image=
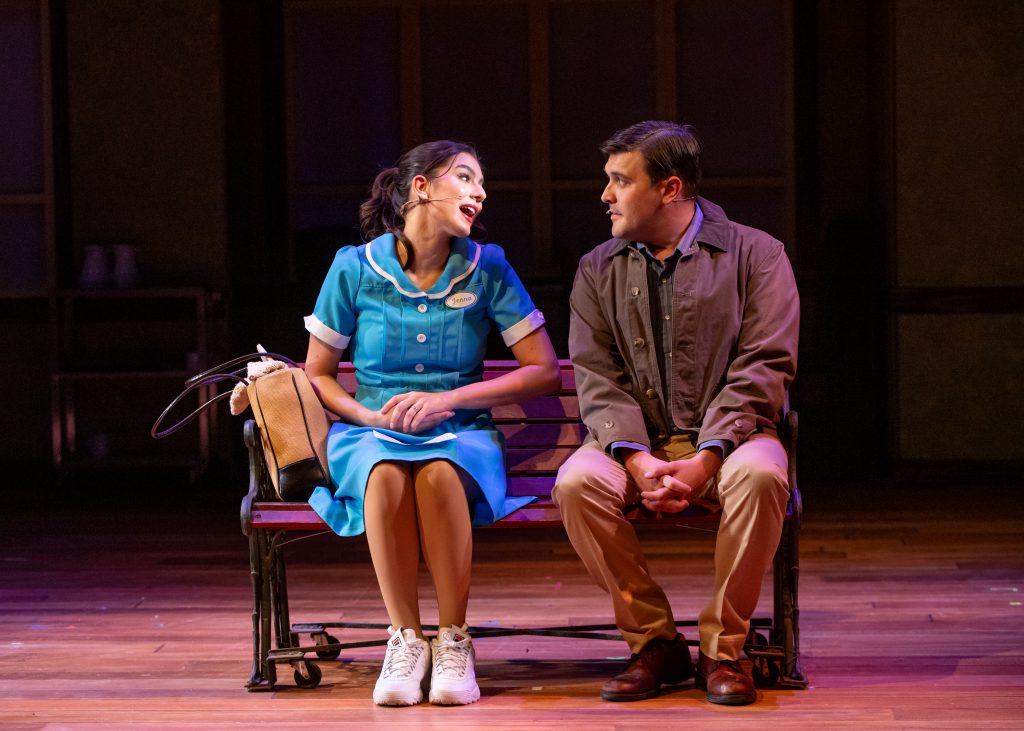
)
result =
(549, 408)
(541, 434)
(523, 485)
(492, 369)
(533, 460)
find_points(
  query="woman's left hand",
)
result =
(418, 411)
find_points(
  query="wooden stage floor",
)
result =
(911, 618)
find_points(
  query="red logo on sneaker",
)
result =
(458, 637)
(396, 641)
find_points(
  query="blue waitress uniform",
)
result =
(402, 339)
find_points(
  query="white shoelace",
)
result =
(401, 663)
(450, 658)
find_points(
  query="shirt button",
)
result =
(739, 423)
(609, 424)
(418, 368)
(668, 317)
(651, 393)
(635, 291)
(421, 308)
(668, 354)
(638, 342)
(421, 338)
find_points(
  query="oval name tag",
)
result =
(460, 299)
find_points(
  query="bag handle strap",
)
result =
(210, 377)
(236, 361)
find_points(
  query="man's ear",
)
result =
(672, 189)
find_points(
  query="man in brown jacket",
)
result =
(683, 336)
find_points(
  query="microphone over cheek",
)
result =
(412, 204)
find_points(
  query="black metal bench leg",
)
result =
(285, 636)
(256, 674)
(786, 629)
(288, 650)
(266, 605)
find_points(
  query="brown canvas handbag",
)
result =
(293, 424)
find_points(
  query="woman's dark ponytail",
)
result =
(380, 212)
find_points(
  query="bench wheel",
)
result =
(322, 638)
(765, 672)
(307, 674)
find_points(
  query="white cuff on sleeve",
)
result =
(322, 332)
(523, 328)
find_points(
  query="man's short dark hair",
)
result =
(668, 149)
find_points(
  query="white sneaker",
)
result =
(453, 679)
(405, 671)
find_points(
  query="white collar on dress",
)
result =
(387, 256)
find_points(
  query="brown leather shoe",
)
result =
(725, 681)
(660, 662)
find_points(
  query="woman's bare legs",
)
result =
(392, 533)
(405, 511)
(446, 536)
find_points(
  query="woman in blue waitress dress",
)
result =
(415, 460)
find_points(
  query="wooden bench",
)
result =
(540, 434)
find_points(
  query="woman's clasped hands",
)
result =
(417, 411)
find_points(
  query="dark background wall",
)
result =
(230, 143)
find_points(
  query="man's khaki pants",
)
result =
(593, 489)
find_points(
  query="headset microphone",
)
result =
(409, 204)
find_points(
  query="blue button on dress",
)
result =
(403, 339)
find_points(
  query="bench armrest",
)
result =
(790, 432)
(261, 489)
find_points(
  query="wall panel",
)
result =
(602, 78)
(732, 78)
(475, 74)
(961, 387)
(959, 112)
(146, 110)
(958, 260)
